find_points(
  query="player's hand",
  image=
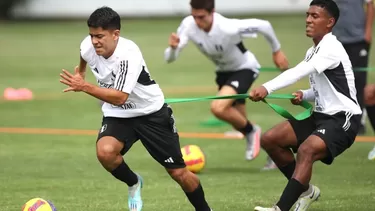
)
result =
(258, 94)
(370, 94)
(75, 82)
(174, 40)
(280, 60)
(298, 96)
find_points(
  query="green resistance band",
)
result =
(278, 109)
(275, 69)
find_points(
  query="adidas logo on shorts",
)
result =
(169, 160)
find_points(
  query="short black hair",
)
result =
(208, 5)
(330, 6)
(104, 17)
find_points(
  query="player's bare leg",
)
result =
(269, 162)
(313, 149)
(241, 108)
(190, 184)
(224, 110)
(108, 152)
(277, 142)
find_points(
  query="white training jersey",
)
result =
(333, 83)
(125, 71)
(223, 43)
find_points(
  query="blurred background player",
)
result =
(133, 108)
(354, 31)
(369, 96)
(220, 39)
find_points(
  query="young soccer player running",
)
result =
(220, 39)
(133, 108)
(335, 122)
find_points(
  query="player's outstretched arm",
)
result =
(177, 41)
(111, 96)
(77, 83)
(250, 27)
(285, 79)
(171, 53)
(289, 77)
(82, 67)
(176, 44)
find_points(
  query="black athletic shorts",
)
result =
(240, 80)
(338, 131)
(157, 132)
(358, 53)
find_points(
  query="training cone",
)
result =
(17, 94)
(213, 122)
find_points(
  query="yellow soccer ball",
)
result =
(194, 158)
(38, 204)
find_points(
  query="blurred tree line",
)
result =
(6, 7)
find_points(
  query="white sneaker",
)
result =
(233, 134)
(371, 154)
(274, 208)
(270, 165)
(253, 143)
(304, 202)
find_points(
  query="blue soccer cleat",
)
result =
(134, 199)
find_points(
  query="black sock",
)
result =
(198, 200)
(291, 193)
(288, 170)
(247, 129)
(123, 173)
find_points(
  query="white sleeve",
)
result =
(289, 77)
(171, 54)
(250, 27)
(86, 49)
(308, 94)
(129, 71)
(323, 57)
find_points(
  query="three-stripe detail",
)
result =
(347, 123)
(122, 75)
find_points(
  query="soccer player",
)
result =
(369, 97)
(333, 125)
(133, 108)
(354, 31)
(220, 39)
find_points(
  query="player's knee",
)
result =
(306, 153)
(178, 174)
(217, 108)
(268, 139)
(106, 153)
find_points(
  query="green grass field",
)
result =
(63, 167)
